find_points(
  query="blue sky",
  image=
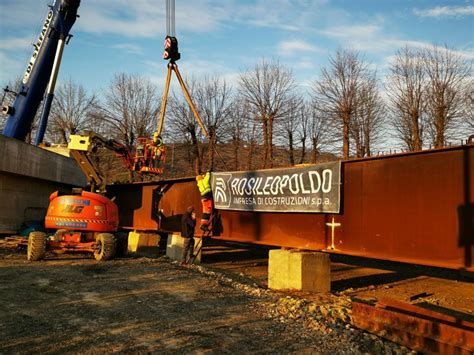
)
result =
(226, 38)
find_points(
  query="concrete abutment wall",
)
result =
(28, 175)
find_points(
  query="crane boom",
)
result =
(39, 72)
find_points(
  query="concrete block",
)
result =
(291, 269)
(143, 243)
(175, 246)
(278, 269)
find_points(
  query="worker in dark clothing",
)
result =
(188, 223)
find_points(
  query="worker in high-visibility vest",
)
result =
(157, 149)
(204, 185)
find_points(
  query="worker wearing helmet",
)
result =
(157, 149)
(157, 138)
(204, 186)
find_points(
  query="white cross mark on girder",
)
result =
(333, 226)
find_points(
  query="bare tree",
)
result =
(70, 112)
(405, 90)
(252, 139)
(214, 102)
(446, 72)
(366, 127)
(336, 93)
(130, 108)
(468, 112)
(267, 89)
(237, 129)
(303, 129)
(321, 131)
(243, 130)
(289, 127)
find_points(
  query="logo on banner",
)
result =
(221, 193)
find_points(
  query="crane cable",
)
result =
(171, 31)
(170, 18)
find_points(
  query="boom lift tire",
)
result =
(36, 246)
(106, 246)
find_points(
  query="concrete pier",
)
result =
(297, 270)
(28, 175)
(140, 243)
(175, 246)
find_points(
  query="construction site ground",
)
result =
(72, 303)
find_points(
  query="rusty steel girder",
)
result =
(412, 207)
(417, 328)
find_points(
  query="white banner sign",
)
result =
(309, 188)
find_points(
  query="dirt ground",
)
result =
(71, 304)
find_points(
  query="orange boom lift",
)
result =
(84, 221)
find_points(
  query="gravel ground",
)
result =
(77, 305)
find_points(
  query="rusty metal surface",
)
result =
(415, 207)
(176, 198)
(417, 328)
(135, 205)
(142, 207)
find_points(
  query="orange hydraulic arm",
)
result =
(81, 148)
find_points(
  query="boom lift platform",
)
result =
(82, 148)
(149, 157)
